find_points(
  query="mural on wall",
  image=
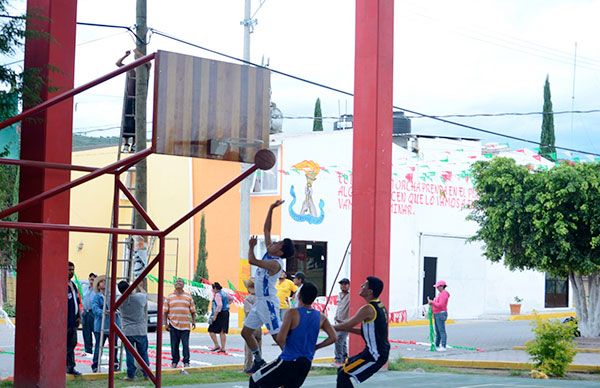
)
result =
(308, 211)
(443, 182)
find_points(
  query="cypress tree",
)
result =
(201, 269)
(547, 149)
(318, 117)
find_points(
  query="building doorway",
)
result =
(310, 258)
(557, 292)
(429, 277)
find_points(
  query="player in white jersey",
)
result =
(266, 309)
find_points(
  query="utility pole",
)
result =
(246, 183)
(141, 96)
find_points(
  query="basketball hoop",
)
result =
(220, 147)
(243, 142)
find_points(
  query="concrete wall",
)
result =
(428, 218)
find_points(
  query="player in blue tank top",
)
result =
(266, 309)
(298, 338)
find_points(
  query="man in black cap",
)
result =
(373, 320)
(342, 314)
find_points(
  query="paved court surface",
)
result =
(414, 379)
(493, 339)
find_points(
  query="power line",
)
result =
(501, 114)
(318, 84)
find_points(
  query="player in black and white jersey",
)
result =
(373, 319)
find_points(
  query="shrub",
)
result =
(9, 309)
(553, 348)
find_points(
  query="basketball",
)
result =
(264, 159)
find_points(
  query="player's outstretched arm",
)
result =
(268, 221)
(365, 313)
(270, 265)
(328, 329)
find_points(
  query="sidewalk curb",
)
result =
(170, 371)
(530, 317)
(505, 365)
(578, 350)
(418, 322)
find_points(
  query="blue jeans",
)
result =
(140, 342)
(97, 350)
(178, 336)
(87, 325)
(440, 328)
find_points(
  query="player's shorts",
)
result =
(359, 368)
(264, 312)
(280, 373)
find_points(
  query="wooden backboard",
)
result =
(205, 108)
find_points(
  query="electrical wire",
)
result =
(331, 88)
(466, 115)
(318, 84)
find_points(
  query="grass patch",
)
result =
(517, 373)
(399, 365)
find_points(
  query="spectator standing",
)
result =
(439, 308)
(180, 319)
(134, 313)
(373, 320)
(299, 279)
(298, 339)
(218, 323)
(249, 301)
(73, 320)
(285, 290)
(99, 329)
(342, 314)
(87, 323)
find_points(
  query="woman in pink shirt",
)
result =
(439, 307)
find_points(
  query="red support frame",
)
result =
(115, 169)
(372, 149)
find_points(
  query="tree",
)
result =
(547, 221)
(201, 268)
(12, 32)
(547, 149)
(318, 117)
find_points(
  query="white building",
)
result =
(431, 188)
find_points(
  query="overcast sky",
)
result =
(450, 57)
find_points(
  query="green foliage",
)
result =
(553, 348)
(318, 117)
(547, 149)
(545, 221)
(81, 142)
(9, 309)
(518, 300)
(9, 192)
(201, 270)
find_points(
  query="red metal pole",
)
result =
(58, 189)
(137, 205)
(55, 166)
(75, 228)
(113, 286)
(42, 267)
(159, 317)
(210, 199)
(372, 150)
(66, 95)
(135, 354)
(137, 281)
